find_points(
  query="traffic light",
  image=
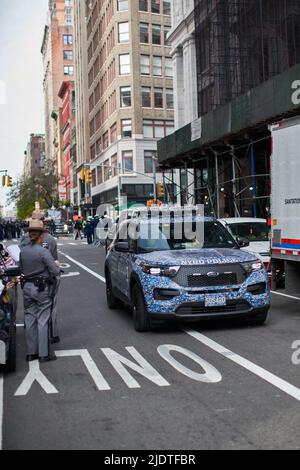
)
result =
(3, 180)
(9, 181)
(160, 191)
(88, 176)
(82, 175)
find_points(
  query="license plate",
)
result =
(215, 300)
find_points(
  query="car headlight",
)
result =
(65, 228)
(169, 271)
(253, 266)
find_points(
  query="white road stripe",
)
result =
(1, 408)
(285, 295)
(101, 278)
(274, 380)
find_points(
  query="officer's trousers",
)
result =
(54, 314)
(37, 308)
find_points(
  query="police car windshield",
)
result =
(166, 237)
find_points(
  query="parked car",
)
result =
(169, 278)
(62, 228)
(255, 230)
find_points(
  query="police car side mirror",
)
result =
(242, 242)
(122, 247)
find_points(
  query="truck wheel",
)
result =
(12, 353)
(112, 301)
(140, 317)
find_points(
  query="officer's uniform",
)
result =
(38, 266)
(50, 243)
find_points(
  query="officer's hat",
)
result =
(36, 226)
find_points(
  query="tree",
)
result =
(42, 187)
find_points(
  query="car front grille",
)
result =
(210, 276)
(232, 306)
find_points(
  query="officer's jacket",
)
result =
(49, 242)
(36, 261)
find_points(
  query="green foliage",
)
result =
(41, 187)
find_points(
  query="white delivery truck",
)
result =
(285, 204)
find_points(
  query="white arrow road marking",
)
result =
(35, 375)
(101, 278)
(95, 373)
(1, 408)
(143, 367)
(71, 274)
(250, 366)
(210, 375)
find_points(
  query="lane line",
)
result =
(267, 376)
(285, 295)
(1, 409)
(101, 278)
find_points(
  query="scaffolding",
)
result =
(242, 43)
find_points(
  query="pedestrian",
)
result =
(18, 229)
(77, 228)
(39, 269)
(89, 230)
(50, 244)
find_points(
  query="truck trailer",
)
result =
(285, 205)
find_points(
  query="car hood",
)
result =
(258, 247)
(196, 257)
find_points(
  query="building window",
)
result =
(143, 5)
(127, 159)
(124, 64)
(123, 29)
(107, 170)
(126, 128)
(156, 34)
(114, 165)
(68, 70)
(155, 6)
(168, 67)
(146, 97)
(157, 66)
(122, 5)
(145, 65)
(100, 175)
(167, 29)
(113, 133)
(94, 178)
(68, 39)
(167, 7)
(158, 98)
(125, 96)
(170, 98)
(68, 55)
(150, 159)
(144, 33)
(157, 129)
(105, 140)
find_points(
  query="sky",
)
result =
(21, 75)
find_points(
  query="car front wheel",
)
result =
(140, 317)
(112, 301)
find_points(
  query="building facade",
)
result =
(35, 156)
(58, 64)
(130, 96)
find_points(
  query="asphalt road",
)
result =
(185, 387)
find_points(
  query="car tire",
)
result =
(140, 318)
(259, 319)
(112, 302)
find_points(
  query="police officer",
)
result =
(50, 243)
(38, 267)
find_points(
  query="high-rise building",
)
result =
(34, 155)
(58, 62)
(130, 96)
